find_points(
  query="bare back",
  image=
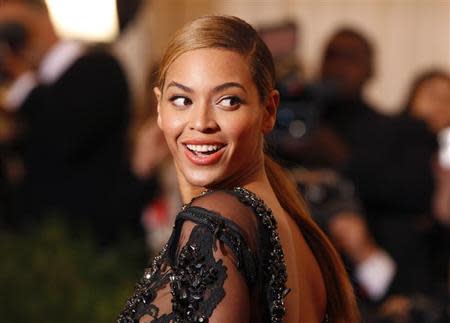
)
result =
(307, 300)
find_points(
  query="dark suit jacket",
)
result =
(74, 143)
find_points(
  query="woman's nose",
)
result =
(202, 118)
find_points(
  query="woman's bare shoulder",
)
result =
(228, 206)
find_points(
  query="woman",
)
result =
(243, 249)
(418, 244)
(429, 101)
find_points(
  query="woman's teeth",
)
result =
(203, 149)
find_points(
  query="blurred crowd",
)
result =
(376, 184)
(67, 111)
(78, 140)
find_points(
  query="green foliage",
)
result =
(49, 274)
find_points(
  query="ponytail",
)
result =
(341, 303)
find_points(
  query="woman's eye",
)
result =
(230, 102)
(180, 101)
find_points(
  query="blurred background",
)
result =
(87, 189)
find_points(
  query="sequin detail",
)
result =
(273, 262)
(196, 279)
(197, 282)
(139, 304)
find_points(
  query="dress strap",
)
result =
(222, 229)
(272, 263)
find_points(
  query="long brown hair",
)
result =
(236, 35)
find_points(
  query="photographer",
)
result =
(73, 103)
(330, 124)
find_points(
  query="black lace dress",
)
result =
(223, 260)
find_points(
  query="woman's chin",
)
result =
(206, 181)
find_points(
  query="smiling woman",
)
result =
(209, 100)
(243, 248)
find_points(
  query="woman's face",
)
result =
(432, 103)
(213, 119)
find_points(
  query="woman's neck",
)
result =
(255, 181)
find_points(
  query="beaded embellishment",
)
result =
(139, 304)
(275, 275)
(196, 271)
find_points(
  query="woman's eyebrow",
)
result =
(180, 86)
(218, 88)
(227, 85)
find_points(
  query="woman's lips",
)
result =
(203, 154)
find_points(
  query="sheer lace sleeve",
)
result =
(213, 265)
(206, 272)
(222, 263)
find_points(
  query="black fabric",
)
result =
(198, 286)
(75, 132)
(222, 229)
(388, 159)
(195, 270)
(390, 164)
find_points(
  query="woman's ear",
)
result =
(270, 115)
(157, 92)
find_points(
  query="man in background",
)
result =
(73, 103)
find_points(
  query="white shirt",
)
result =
(376, 273)
(58, 59)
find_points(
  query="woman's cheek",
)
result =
(172, 124)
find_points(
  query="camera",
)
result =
(299, 114)
(327, 194)
(298, 118)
